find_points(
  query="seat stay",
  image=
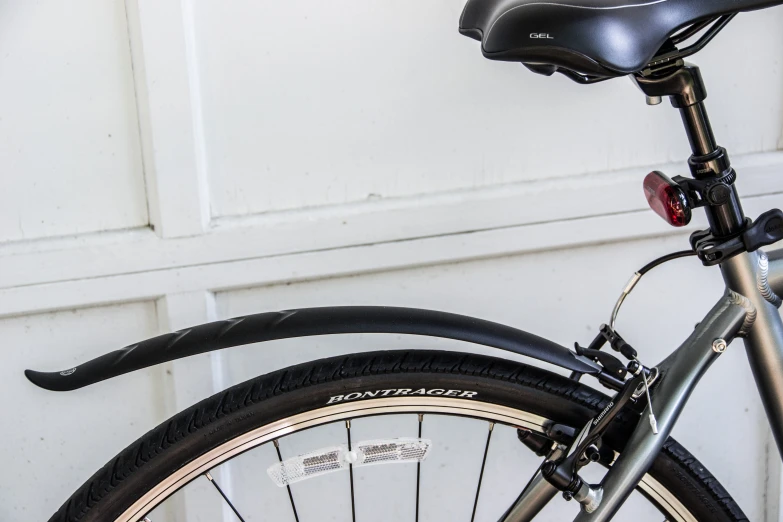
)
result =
(680, 372)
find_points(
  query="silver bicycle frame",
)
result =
(749, 309)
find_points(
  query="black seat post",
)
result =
(699, 129)
(709, 162)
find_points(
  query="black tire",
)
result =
(309, 386)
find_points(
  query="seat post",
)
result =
(699, 129)
(684, 85)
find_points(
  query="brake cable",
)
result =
(628, 288)
(608, 335)
(563, 472)
(638, 275)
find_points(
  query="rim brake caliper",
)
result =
(564, 473)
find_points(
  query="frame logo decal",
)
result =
(603, 413)
(396, 392)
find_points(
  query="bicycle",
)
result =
(568, 425)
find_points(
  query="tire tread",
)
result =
(191, 421)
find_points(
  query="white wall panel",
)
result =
(313, 103)
(53, 442)
(70, 159)
(564, 296)
(321, 153)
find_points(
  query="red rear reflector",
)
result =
(667, 199)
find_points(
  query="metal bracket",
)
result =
(766, 230)
(651, 378)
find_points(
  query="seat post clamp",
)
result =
(682, 82)
(714, 165)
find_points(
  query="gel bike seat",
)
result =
(592, 38)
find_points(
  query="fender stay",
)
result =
(309, 322)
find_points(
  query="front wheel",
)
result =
(467, 407)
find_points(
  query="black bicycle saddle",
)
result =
(603, 38)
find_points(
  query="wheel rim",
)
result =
(673, 508)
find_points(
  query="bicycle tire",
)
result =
(303, 389)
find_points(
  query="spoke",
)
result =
(290, 495)
(418, 471)
(350, 471)
(481, 476)
(214, 483)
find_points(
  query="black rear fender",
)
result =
(309, 322)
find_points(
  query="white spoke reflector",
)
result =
(335, 458)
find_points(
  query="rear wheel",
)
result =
(422, 390)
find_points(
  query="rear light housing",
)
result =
(667, 199)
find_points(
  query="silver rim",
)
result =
(675, 511)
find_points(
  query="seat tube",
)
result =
(747, 274)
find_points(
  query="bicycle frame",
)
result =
(748, 309)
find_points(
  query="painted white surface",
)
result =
(55, 441)
(168, 103)
(69, 138)
(316, 103)
(314, 153)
